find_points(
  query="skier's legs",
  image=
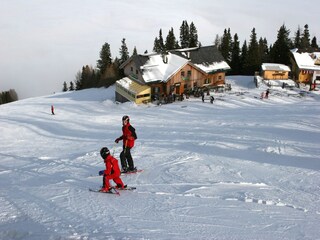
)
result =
(119, 182)
(106, 183)
(124, 164)
(129, 158)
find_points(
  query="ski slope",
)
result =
(240, 168)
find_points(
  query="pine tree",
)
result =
(8, 96)
(105, 58)
(297, 39)
(87, 77)
(158, 45)
(263, 50)
(65, 87)
(244, 59)
(135, 52)
(280, 51)
(305, 39)
(193, 36)
(314, 43)
(184, 35)
(78, 81)
(71, 87)
(254, 61)
(170, 41)
(123, 51)
(226, 45)
(235, 56)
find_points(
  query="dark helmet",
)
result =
(125, 118)
(104, 152)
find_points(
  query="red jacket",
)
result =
(128, 135)
(112, 166)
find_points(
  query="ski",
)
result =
(127, 188)
(114, 191)
(131, 172)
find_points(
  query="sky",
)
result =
(44, 43)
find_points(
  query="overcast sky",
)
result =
(46, 42)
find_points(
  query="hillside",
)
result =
(240, 168)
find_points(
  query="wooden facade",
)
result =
(303, 75)
(274, 71)
(187, 79)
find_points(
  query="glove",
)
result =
(101, 172)
(117, 140)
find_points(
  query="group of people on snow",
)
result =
(112, 170)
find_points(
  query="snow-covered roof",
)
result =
(307, 61)
(275, 67)
(215, 66)
(162, 67)
(206, 58)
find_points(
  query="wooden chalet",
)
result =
(274, 71)
(176, 72)
(306, 67)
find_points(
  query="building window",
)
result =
(156, 89)
(182, 73)
(207, 81)
(131, 69)
(137, 71)
(189, 73)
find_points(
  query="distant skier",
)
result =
(128, 137)
(112, 171)
(211, 99)
(52, 110)
(267, 94)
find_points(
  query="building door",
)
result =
(177, 86)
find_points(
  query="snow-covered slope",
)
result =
(240, 168)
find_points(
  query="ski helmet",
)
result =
(124, 118)
(104, 152)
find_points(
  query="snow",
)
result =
(213, 66)
(161, 68)
(240, 168)
(275, 67)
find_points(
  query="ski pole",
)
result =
(113, 148)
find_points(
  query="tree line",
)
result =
(8, 96)
(243, 59)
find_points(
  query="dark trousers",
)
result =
(126, 159)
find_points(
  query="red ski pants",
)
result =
(115, 178)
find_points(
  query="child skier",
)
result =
(52, 110)
(112, 171)
(128, 137)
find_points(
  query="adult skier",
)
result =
(128, 137)
(112, 171)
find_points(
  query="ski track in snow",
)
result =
(241, 168)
